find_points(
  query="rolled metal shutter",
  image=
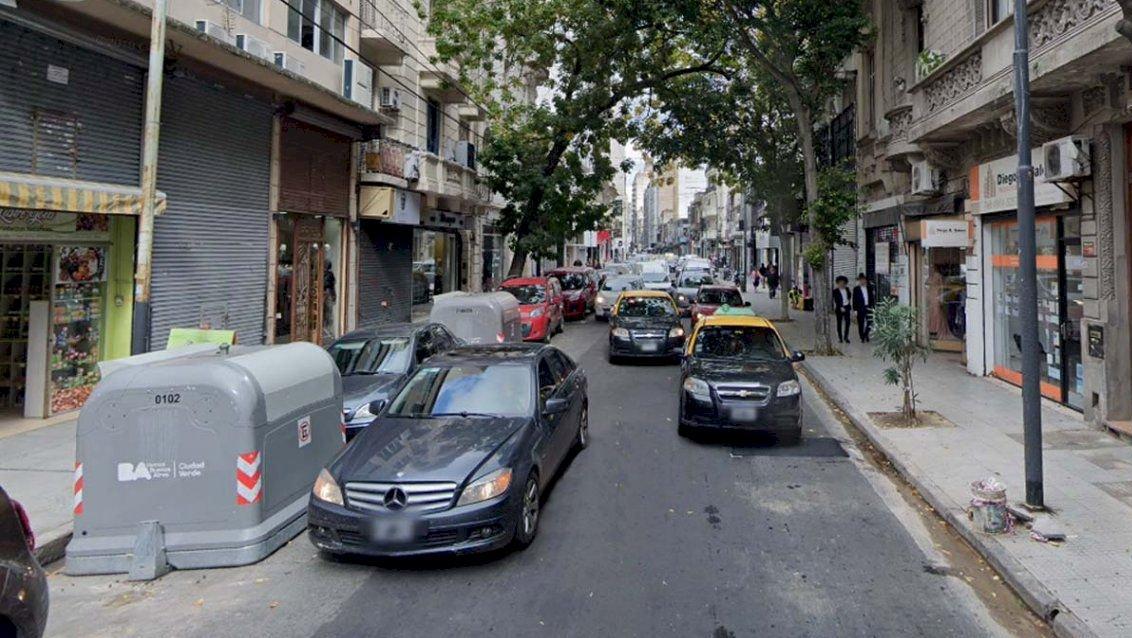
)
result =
(210, 247)
(385, 271)
(66, 111)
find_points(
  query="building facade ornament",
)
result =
(1048, 121)
(954, 83)
(1059, 17)
(1103, 210)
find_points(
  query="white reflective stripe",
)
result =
(249, 494)
(247, 468)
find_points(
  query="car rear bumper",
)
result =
(780, 415)
(474, 528)
(574, 308)
(536, 329)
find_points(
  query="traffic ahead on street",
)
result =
(643, 473)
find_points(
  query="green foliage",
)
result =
(896, 339)
(549, 158)
(928, 61)
(835, 206)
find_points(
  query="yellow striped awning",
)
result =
(38, 192)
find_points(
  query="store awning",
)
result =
(37, 192)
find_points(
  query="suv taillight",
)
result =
(29, 535)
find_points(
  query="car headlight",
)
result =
(363, 412)
(326, 489)
(698, 388)
(676, 332)
(682, 297)
(601, 299)
(536, 313)
(620, 333)
(486, 488)
(789, 388)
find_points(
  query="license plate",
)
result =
(397, 529)
(650, 346)
(745, 415)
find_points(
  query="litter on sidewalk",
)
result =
(988, 506)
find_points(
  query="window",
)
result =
(919, 28)
(1000, 9)
(746, 342)
(433, 122)
(497, 390)
(371, 357)
(317, 25)
(566, 362)
(546, 380)
(247, 8)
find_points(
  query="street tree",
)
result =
(835, 205)
(549, 157)
(800, 45)
(896, 339)
(735, 122)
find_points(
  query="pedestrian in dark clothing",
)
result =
(864, 299)
(772, 280)
(843, 308)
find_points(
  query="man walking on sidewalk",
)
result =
(863, 301)
(772, 280)
(843, 308)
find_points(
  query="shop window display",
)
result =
(946, 299)
(76, 322)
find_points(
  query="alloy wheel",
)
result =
(530, 508)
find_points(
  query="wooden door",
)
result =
(307, 280)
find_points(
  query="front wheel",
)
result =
(582, 440)
(526, 527)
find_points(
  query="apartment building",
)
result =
(935, 128)
(272, 111)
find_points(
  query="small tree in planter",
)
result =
(895, 339)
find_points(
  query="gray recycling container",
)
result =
(211, 456)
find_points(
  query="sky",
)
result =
(692, 180)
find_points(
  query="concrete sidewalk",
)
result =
(37, 469)
(1085, 584)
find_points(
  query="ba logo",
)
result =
(131, 472)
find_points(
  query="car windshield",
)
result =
(741, 342)
(492, 390)
(528, 294)
(371, 356)
(573, 280)
(654, 276)
(696, 280)
(718, 297)
(645, 307)
(618, 284)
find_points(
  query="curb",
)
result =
(55, 546)
(1037, 596)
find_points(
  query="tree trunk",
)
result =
(785, 269)
(819, 283)
(518, 263)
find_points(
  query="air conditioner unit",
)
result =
(926, 179)
(253, 46)
(214, 30)
(390, 98)
(357, 82)
(466, 154)
(413, 166)
(286, 61)
(1065, 159)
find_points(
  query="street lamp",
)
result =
(1027, 244)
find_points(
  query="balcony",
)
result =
(452, 186)
(1072, 42)
(439, 79)
(383, 162)
(381, 41)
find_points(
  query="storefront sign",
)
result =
(47, 226)
(445, 219)
(995, 186)
(936, 233)
(1096, 341)
(881, 252)
(390, 204)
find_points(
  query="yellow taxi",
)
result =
(645, 324)
(738, 374)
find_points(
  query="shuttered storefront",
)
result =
(385, 270)
(210, 247)
(66, 111)
(316, 170)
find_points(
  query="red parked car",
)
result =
(710, 298)
(579, 289)
(540, 302)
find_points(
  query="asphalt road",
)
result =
(645, 534)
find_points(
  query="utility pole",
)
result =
(140, 336)
(1027, 242)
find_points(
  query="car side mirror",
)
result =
(746, 304)
(798, 356)
(555, 405)
(375, 407)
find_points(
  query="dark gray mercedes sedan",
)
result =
(458, 459)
